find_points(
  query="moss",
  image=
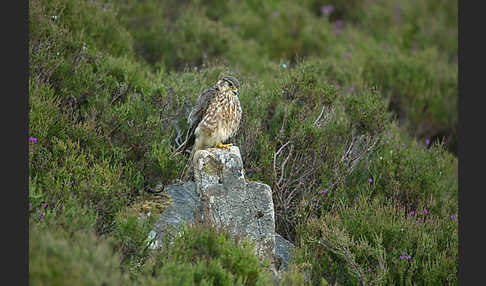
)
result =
(150, 203)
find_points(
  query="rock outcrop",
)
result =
(229, 201)
(220, 195)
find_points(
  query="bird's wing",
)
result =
(199, 110)
(196, 115)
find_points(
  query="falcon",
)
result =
(213, 120)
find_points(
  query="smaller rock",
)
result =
(283, 251)
(184, 203)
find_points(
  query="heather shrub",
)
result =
(72, 23)
(414, 174)
(283, 30)
(62, 169)
(408, 25)
(379, 229)
(422, 91)
(207, 256)
(57, 257)
(148, 27)
(374, 243)
(132, 237)
(173, 36)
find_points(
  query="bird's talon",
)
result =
(227, 146)
(223, 146)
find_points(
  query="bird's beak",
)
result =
(235, 91)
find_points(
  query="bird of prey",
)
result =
(214, 119)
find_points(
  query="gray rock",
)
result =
(184, 203)
(283, 251)
(228, 200)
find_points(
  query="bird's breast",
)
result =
(222, 117)
(231, 114)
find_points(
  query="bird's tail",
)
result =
(179, 150)
(188, 171)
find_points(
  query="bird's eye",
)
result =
(230, 84)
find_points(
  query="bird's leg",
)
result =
(223, 146)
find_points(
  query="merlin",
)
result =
(214, 119)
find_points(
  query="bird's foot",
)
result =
(223, 146)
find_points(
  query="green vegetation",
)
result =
(349, 114)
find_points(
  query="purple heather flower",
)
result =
(315, 200)
(327, 9)
(408, 257)
(42, 215)
(351, 89)
(275, 14)
(453, 216)
(323, 191)
(425, 211)
(33, 139)
(412, 213)
(416, 222)
(338, 23)
(347, 55)
(403, 252)
(397, 12)
(403, 145)
(427, 141)
(370, 180)
(416, 267)
(402, 257)
(44, 205)
(107, 5)
(414, 261)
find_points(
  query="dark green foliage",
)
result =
(410, 174)
(90, 23)
(337, 109)
(367, 111)
(422, 89)
(369, 241)
(76, 258)
(210, 257)
(132, 234)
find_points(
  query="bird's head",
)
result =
(229, 83)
